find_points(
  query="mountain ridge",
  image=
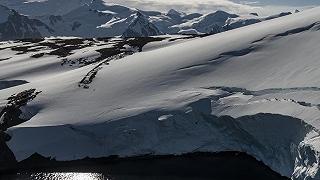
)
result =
(97, 19)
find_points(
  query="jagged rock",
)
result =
(216, 29)
(141, 27)
(213, 22)
(18, 26)
(54, 19)
(254, 14)
(10, 114)
(278, 15)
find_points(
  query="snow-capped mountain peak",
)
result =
(175, 14)
(140, 26)
(16, 26)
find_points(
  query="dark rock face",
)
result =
(141, 27)
(54, 19)
(192, 16)
(211, 23)
(279, 15)
(9, 117)
(216, 29)
(175, 15)
(76, 25)
(241, 23)
(10, 114)
(21, 27)
(6, 155)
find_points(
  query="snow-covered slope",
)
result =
(254, 89)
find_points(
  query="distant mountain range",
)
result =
(95, 18)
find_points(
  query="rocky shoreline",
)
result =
(6, 155)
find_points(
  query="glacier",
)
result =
(253, 89)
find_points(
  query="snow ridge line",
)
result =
(314, 27)
(224, 57)
(234, 90)
(263, 91)
(255, 45)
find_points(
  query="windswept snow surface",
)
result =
(255, 89)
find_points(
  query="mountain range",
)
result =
(95, 18)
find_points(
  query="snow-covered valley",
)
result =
(254, 89)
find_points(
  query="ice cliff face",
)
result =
(282, 142)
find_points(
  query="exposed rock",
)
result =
(6, 155)
(278, 15)
(141, 27)
(10, 114)
(54, 19)
(254, 14)
(19, 26)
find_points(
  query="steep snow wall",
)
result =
(283, 143)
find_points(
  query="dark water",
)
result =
(227, 166)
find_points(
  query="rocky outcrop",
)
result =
(12, 115)
(6, 155)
